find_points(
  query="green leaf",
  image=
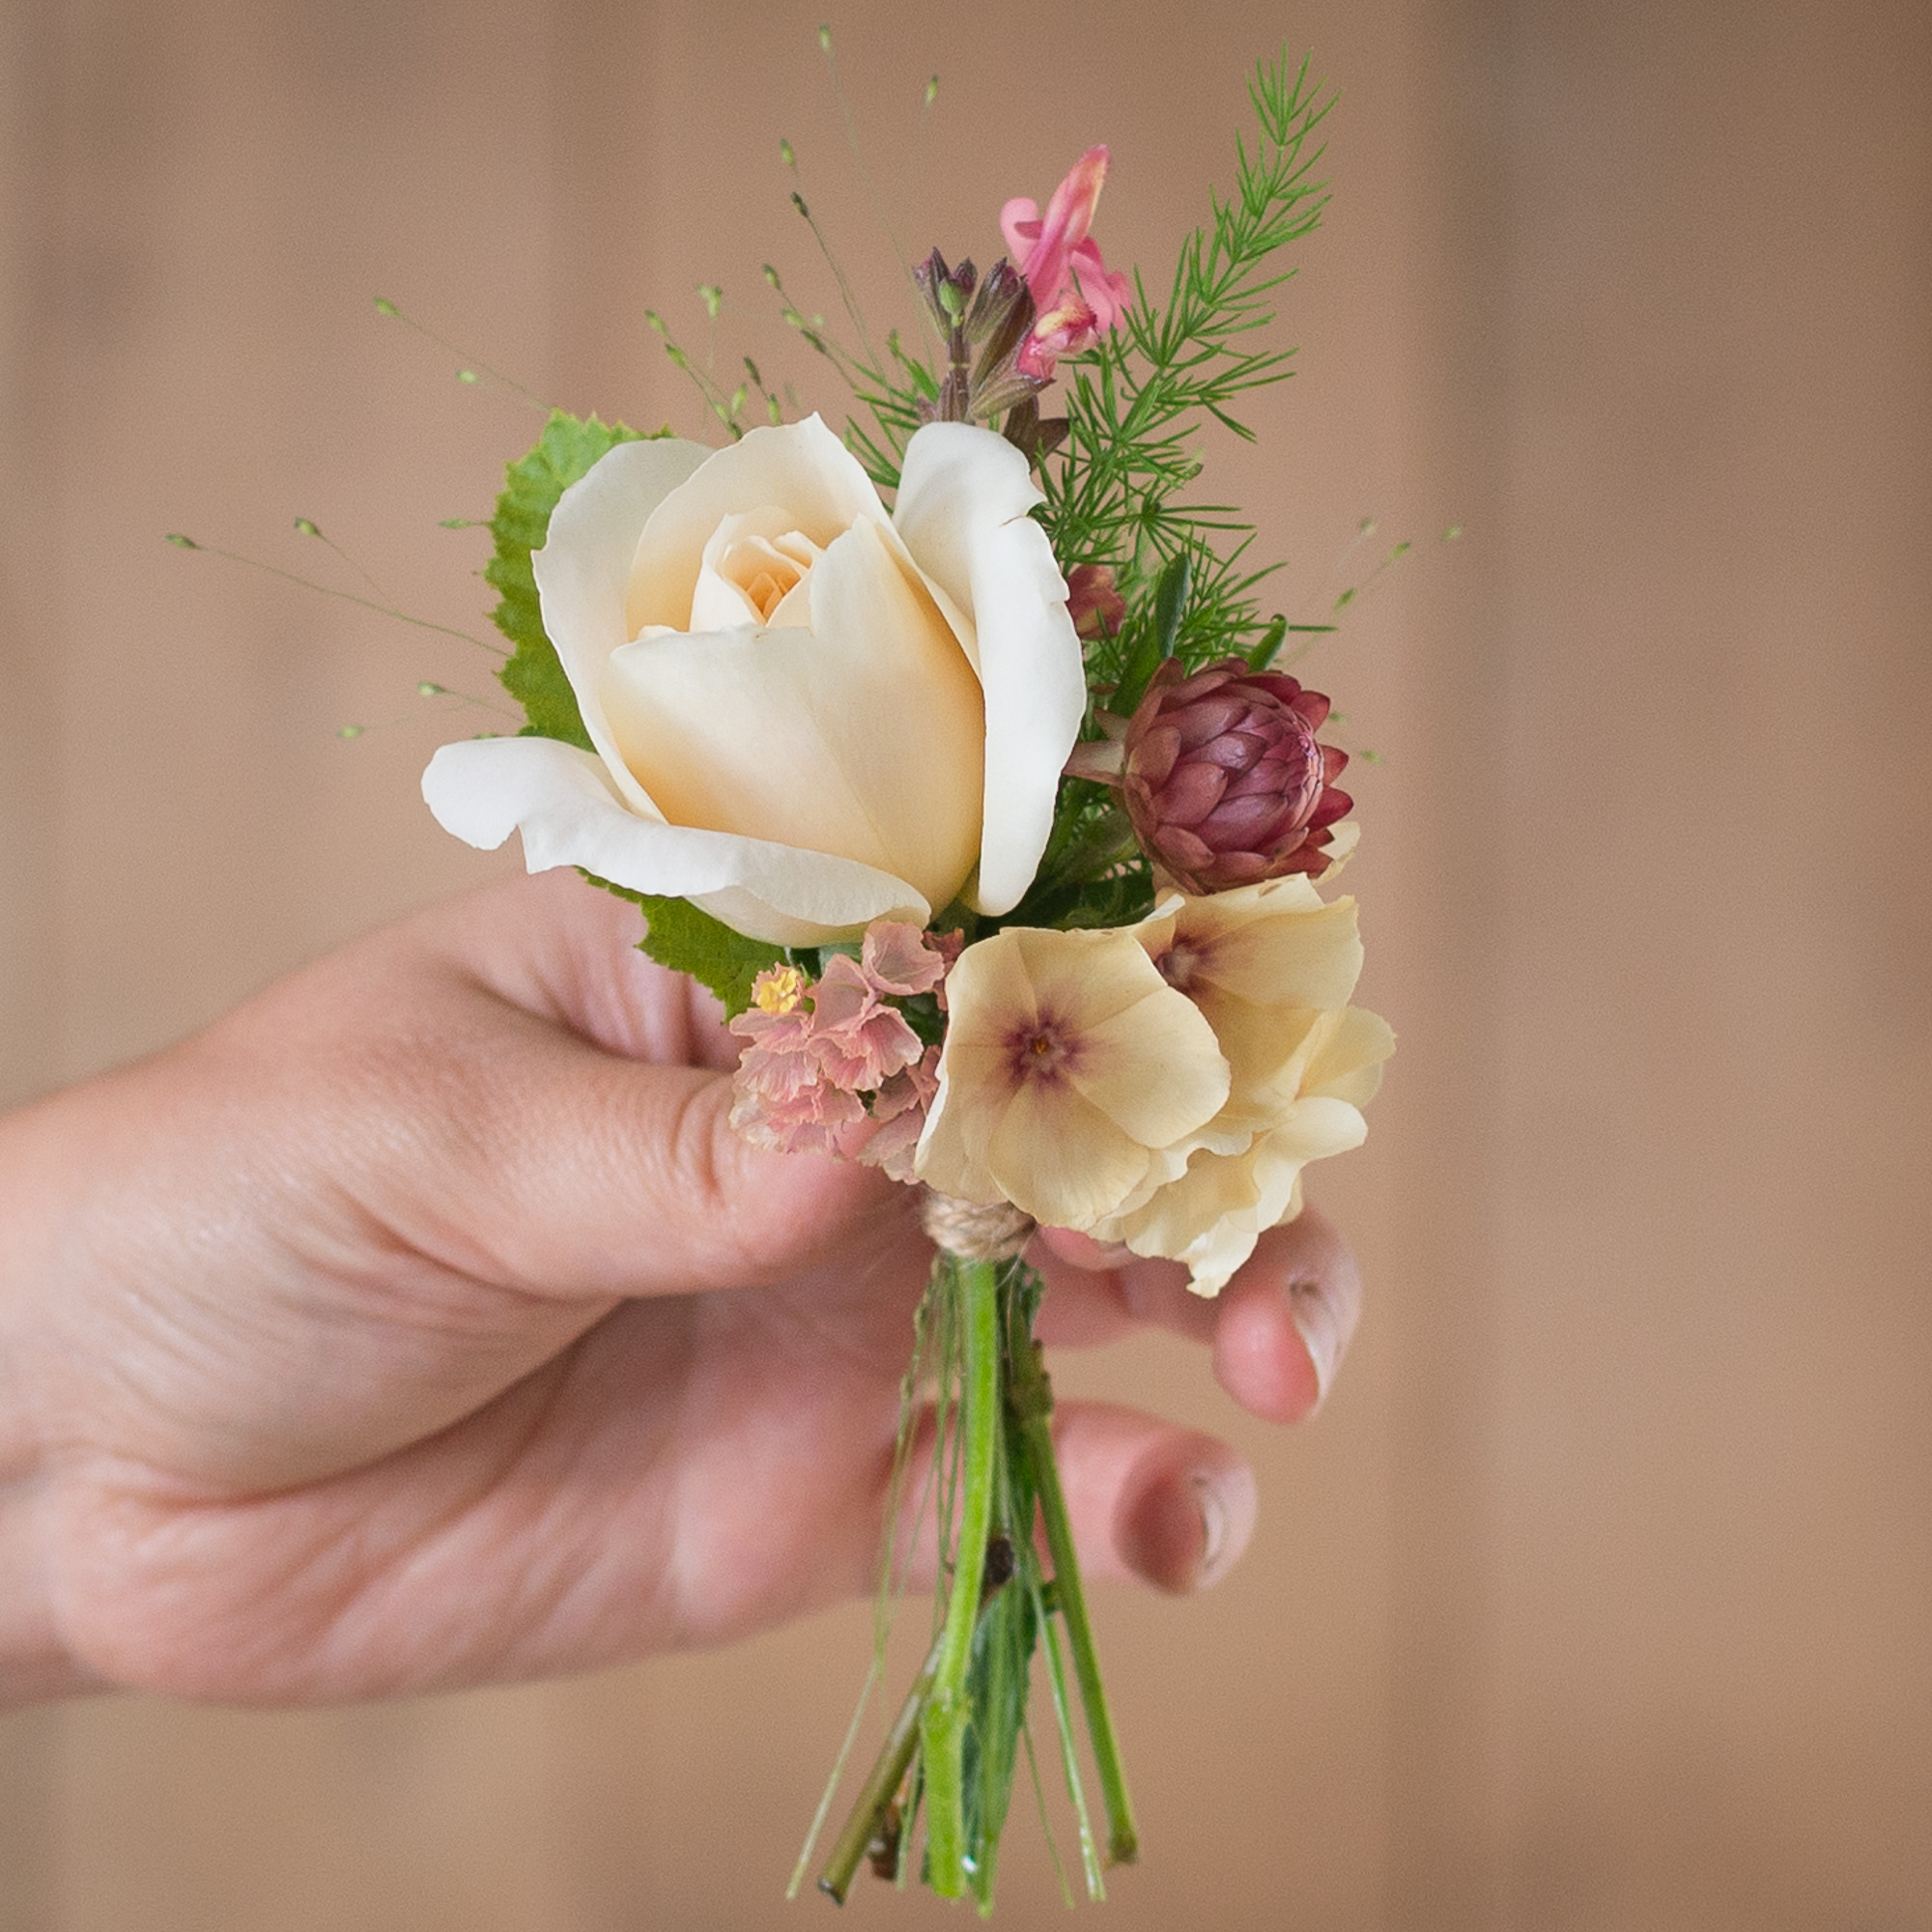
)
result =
(1263, 653)
(534, 675)
(678, 935)
(1156, 643)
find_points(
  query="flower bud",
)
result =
(1224, 781)
(946, 291)
(1094, 601)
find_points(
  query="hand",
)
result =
(425, 1324)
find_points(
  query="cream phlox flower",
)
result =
(1271, 967)
(1069, 1063)
(808, 714)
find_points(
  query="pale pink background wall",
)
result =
(1601, 1597)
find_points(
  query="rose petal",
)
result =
(962, 508)
(567, 808)
(585, 566)
(800, 466)
(860, 736)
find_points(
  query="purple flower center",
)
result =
(1043, 1050)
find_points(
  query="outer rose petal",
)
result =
(962, 507)
(567, 808)
(584, 571)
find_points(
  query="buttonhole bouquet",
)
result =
(954, 753)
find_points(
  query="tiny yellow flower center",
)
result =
(777, 989)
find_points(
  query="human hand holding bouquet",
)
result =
(424, 1323)
(997, 827)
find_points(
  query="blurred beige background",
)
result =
(1601, 1597)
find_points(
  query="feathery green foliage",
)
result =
(1138, 400)
(1116, 488)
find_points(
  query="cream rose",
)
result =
(808, 714)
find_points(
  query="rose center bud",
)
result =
(752, 565)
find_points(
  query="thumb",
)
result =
(501, 1143)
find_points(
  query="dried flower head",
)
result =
(1224, 781)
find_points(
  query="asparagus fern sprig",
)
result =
(1137, 402)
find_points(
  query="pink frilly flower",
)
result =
(861, 1042)
(899, 1111)
(814, 1048)
(1077, 296)
(900, 958)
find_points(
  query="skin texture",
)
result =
(424, 1323)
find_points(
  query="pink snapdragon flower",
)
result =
(1077, 296)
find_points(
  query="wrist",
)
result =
(35, 1663)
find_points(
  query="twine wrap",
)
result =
(973, 1233)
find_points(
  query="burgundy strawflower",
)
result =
(1224, 781)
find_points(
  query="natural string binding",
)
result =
(973, 1233)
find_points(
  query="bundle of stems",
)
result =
(951, 1755)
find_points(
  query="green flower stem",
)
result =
(886, 1775)
(944, 1723)
(868, 1814)
(1032, 1400)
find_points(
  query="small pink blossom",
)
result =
(859, 1042)
(813, 1118)
(899, 1109)
(1077, 296)
(813, 1049)
(1065, 331)
(949, 946)
(900, 958)
(780, 1097)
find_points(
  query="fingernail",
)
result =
(1214, 1508)
(1321, 1332)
